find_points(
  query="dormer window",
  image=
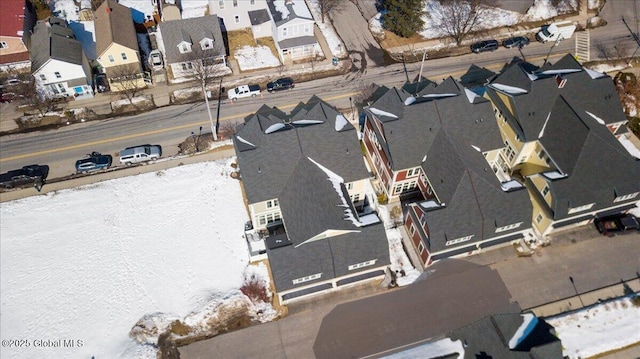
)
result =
(184, 47)
(206, 44)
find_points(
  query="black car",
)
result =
(518, 41)
(482, 46)
(27, 175)
(285, 83)
(95, 161)
(611, 225)
(102, 85)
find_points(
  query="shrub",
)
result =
(382, 198)
(255, 290)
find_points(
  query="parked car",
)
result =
(8, 97)
(622, 222)
(285, 83)
(102, 85)
(482, 46)
(95, 161)
(139, 154)
(155, 60)
(243, 91)
(518, 41)
(32, 174)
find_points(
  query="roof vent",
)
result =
(560, 81)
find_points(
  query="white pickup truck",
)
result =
(243, 91)
(557, 31)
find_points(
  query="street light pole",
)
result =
(424, 57)
(206, 101)
(574, 288)
(220, 89)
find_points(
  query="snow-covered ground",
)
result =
(599, 329)
(540, 10)
(258, 57)
(87, 263)
(329, 33)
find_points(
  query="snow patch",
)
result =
(328, 31)
(471, 96)
(377, 112)
(629, 146)
(528, 323)
(281, 8)
(245, 141)
(509, 89)
(438, 349)
(399, 260)
(275, 127)
(600, 121)
(255, 57)
(594, 74)
(410, 100)
(341, 122)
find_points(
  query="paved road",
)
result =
(593, 261)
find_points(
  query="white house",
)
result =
(235, 13)
(59, 66)
(292, 29)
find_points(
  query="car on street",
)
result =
(139, 154)
(27, 175)
(102, 85)
(94, 161)
(617, 223)
(8, 97)
(285, 83)
(517, 41)
(482, 46)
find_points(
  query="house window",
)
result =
(413, 172)
(237, 18)
(458, 240)
(307, 278)
(252, 2)
(111, 59)
(307, 28)
(284, 31)
(625, 197)
(355, 197)
(57, 75)
(539, 218)
(3, 45)
(363, 264)
(349, 186)
(206, 44)
(54, 89)
(545, 190)
(187, 66)
(124, 56)
(508, 228)
(412, 229)
(221, 4)
(420, 247)
(402, 187)
(268, 218)
(580, 208)
(43, 77)
(184, 48)
(235, 3)
(510, 151)
(272, 203)
(62, 88)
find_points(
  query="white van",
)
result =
(138, 154)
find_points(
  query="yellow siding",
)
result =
(506, 100)
(116, 50)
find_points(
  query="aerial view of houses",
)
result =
(319, 178)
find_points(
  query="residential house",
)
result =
(117, 46)
(13, 52)
(293, 30)
(508, 335)
(235, 14)
(307, 190)
(59, 66)
(438, 153)
(192, 44)
(558, 123)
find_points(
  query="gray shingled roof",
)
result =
(258, 17)
(310, 205)
(277, 16)
(192, 30)
(51, 39)
(267, 169)
(297, 41)
(489, 338)
(597, 96)
(114, 24)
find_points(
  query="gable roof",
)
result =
(191, 30)
(267, 169)
(596, 94)
(114, 24)
(12, 18)
(52, 39)
(283, 11)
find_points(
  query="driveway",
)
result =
(353, 28)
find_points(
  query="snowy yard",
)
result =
(258, 57)
(87, 263)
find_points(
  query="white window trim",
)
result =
(508, 228)
(580, 208)
(458, 240)
(626, 197)
(363, 264)
(307, 278)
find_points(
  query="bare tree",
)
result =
(621, 48)
(329, 6)
(126, 80)
(205, 66)
(37, 98)
(603, 50)
(457, 18)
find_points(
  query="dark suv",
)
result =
(27, 175)
(285, 83)
(617, 223)
(95, 161)
(482, 46)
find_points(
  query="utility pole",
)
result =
(220, 90)
(206, 101)
(424, 57)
